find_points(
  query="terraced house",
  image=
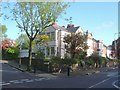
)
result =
(56, 46)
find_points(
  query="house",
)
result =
(95, 46)
(109, 52)
(104, 51)
(56, 33)
(90, 43)
(56, 46)
(116, 48)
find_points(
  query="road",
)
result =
(13, 78)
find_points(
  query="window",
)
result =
(52, 36)
(52, 50)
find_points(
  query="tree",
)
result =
(75, 43)
(35, 17)
(23, 41)
(7, 43)
(3, 30)
(96, 59)
(9, 48)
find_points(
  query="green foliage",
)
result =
(80, 56)
(69, 61)
(3, 30)
(12, 53)
(10, 50)
(40, 55)
(43, 39)
(89, 62)
(23, 41)
(35, 17)
(55, 60)
(95, 57)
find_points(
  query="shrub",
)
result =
(40, 55)
(55, 63)
(69, 61)
(11, 53)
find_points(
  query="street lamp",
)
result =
(116, 44)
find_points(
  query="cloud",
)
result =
(104, 25)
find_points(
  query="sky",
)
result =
(99, 18)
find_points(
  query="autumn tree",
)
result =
(9, 49)
(7, 43)
(35, 17)
(75, 43)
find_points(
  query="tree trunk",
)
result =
(30, 56)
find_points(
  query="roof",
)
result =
(56, 27)
(72, 29)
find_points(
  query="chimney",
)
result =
(70, 25)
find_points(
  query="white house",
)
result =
(109, 52)
(56, 46)
(56, 33)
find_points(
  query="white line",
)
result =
(115, 85)
(29, 81)
(17, 82)
(24, 79)
(98, 83)
(14, 81)
(39, 79)
(4, 84)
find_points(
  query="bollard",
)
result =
(68, 71)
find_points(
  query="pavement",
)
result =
(39, 73)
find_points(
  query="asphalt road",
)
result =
(13, 78)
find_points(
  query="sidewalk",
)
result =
(39, 73)
(83, 72)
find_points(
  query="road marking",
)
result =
(18, 82)
(4, 84)
(30, 81)
(14, 81)
(115, 85)
(39, 79)
(98, 83)
(24, 79)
